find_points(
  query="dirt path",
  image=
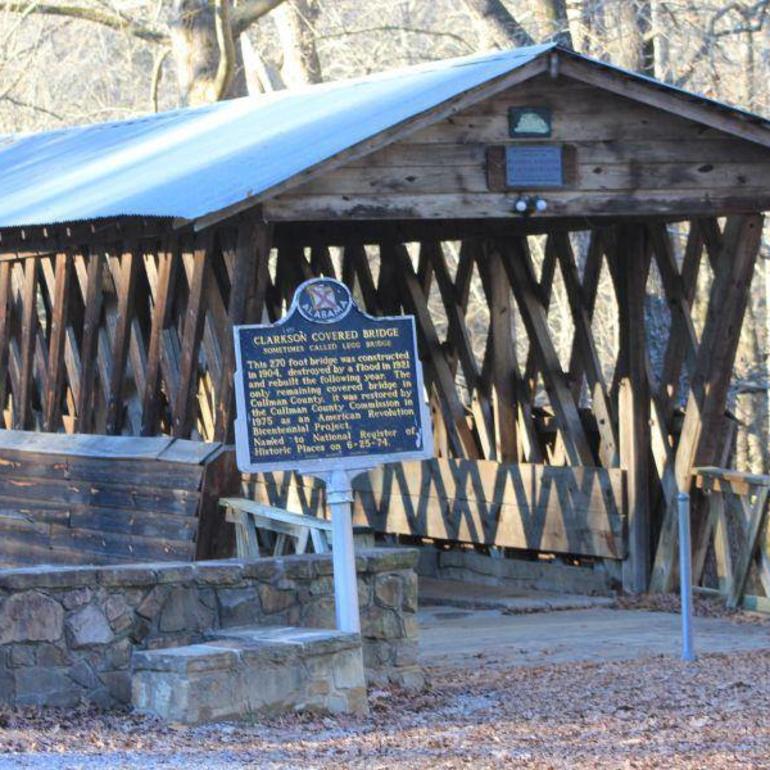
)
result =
(645, 713)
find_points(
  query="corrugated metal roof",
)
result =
(191, 162)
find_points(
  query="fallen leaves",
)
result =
(656, 712)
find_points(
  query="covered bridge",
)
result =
(459, 191)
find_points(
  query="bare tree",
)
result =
(200, 35)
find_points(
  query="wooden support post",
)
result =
(22, 412)
(702, 436)
(631, 267)
(605, 420)
(162, 283)
(522, 280)
(503, 359)
(681, 292)
(195, 263)
(251, 252)
(458, 337)
(5, 312)
(357, 264)
(464, 443)
(124, 287)
(589, 290)
(389, 281)
(53, 396)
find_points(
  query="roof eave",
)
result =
(536, 66)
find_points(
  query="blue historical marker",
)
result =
(328, 386)
(330, 391)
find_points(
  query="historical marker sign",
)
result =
(328, 387)
(534, 166)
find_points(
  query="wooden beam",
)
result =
(677, 346)
(463, 440)
(124, 287)
(503, 359)
(631, 266)
(521, 277)
(23, 409)
(605, 419)
(669, 99)
(754, 513)
(53, 396)
(5, 312)
(251, 252)
(92, 302)
(381, 139)
(195, 263)
(701, 436)
(161, 283)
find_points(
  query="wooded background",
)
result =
(83, 61)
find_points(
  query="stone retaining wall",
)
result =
(68, 633)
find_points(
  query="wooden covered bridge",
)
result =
(459, 191)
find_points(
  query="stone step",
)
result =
(251, 672)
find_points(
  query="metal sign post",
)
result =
(339, 496)
(331, 392)
(685, 576)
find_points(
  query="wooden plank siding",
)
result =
(149, 500)
(578, 510)
(629, 158)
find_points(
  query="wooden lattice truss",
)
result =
(131, 333)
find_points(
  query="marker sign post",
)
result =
(330, 391)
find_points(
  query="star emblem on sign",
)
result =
(323, 298)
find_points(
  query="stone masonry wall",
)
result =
(68, 633)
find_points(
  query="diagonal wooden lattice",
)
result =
(135, 337)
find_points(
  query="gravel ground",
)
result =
(653, 712)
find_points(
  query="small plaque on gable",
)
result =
(528, 166)
(328, 387)
(529, 122)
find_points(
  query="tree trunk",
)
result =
(203, 50)
(499, 27)
(629, 45)
(552, 23)
(295, 21)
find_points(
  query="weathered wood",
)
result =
(195, 262)
(631, 265)
(357, 265)
(442, 375)
(5, 311)
(605, 420)
(53, 396)
(677, 345)
(503, 359)
(252, 249)
(518, 266)
(92, 302)
(124, 286)
(107, 498)
(215, 539)
(566, 510)
(23, 409)
(755, 512)
(454, 205)
(701, 437)
(160, 288)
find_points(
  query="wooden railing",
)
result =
(734, 530)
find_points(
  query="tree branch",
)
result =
(243, 16)
(226, 63)
(505, 29)
(397, 28)
(110, 20)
